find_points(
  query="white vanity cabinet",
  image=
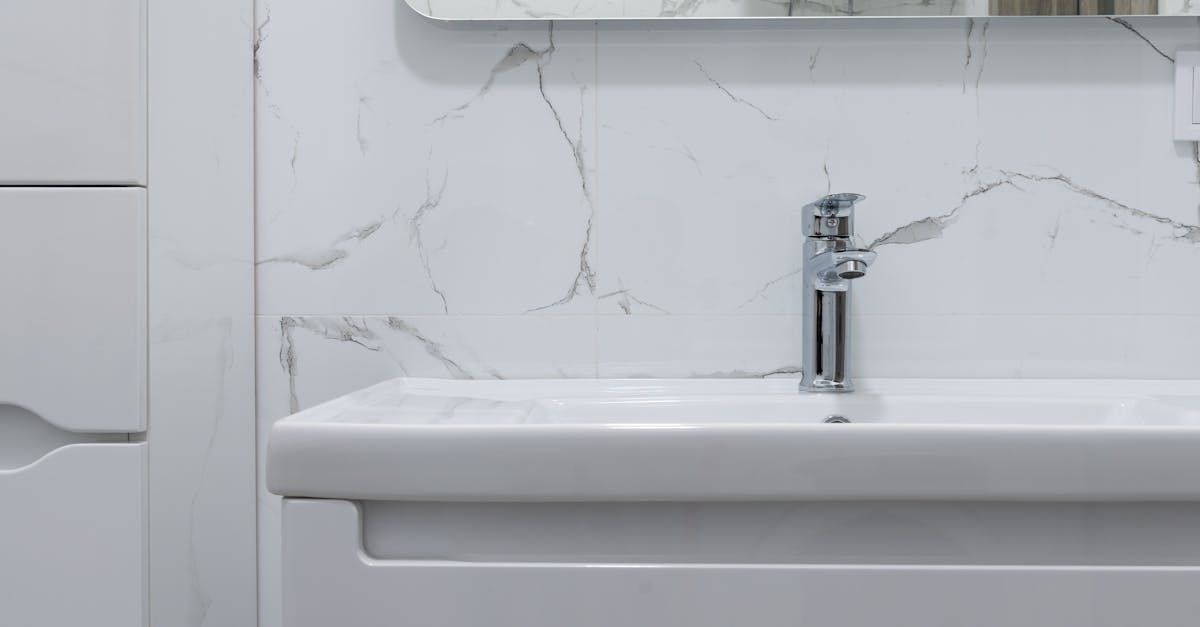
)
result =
(72, 406)
(714, 503)
(72, 75)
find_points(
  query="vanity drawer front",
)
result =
(73, 82)
(73, 306)
(329, 581)
(72, 548)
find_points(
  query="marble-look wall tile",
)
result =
(1037, 243)
(1075, 346)
(200, 437)
(715, 225)
(1009, 166)
(409, 166)
(698, 346)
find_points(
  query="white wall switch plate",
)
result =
(1187, 95)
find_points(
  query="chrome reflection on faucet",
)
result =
(831, 262)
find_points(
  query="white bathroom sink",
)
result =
(686, 440)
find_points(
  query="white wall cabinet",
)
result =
(73, 306)
(72, 538)
(73, 337)
(72, 75)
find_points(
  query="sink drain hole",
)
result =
(837, 419)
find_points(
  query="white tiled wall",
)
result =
(623, 200)
(202, 569)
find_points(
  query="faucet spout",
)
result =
(833, 269)
(852, 269)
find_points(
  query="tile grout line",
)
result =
(596, 191)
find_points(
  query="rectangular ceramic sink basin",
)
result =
(696, 440)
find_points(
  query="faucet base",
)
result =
(824, 385)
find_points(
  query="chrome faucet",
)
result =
(831, 261)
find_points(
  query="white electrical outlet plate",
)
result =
(1187, 95)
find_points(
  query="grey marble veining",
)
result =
(535, 72)
(1130, 27)
(431, 202)
(737, 99)
(1123, 216)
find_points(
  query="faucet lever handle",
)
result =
(831, 216)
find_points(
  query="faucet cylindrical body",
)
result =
(826, 320)
(826, 355)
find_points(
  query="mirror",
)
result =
(646, 9)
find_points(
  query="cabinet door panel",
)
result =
(73, 306)
(72, 538)
(73, 105)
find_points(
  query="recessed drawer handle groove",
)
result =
(25, 437)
